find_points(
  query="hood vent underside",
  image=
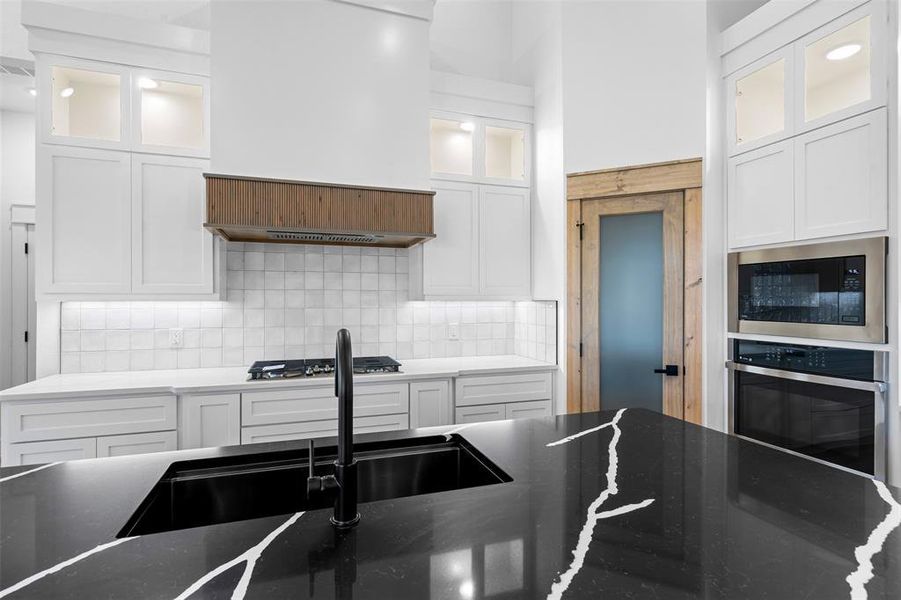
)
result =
(246, 209)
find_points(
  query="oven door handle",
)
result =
(867, 386)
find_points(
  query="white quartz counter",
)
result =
(226, 379)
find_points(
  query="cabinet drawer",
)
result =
(480, 413)
(63, 419)
(33, 453)
(498, 389)
(312, 404)
(529, 410)
(316, 429)
(137, 443)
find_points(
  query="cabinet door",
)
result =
(478, 414)
(138, 443)
(84, 220)
(841, 178)
(505, 247)
(842, 68)
(171, 113)
(430, 403)
(173, 253)
(761, 196)
(34, 453)
(472, 390)
(450, 262)
(759, 102)
(209, 420)
(529, 410)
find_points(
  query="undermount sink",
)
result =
(224, 489)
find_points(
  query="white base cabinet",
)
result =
(316, 429)
(497, 412)
(431, 403)
(209, 420)
(33, 453)
(138, 443)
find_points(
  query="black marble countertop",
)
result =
(615, 505)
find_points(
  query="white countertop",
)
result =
(225, 379)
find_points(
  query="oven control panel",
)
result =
(820, 360)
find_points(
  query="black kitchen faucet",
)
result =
(343, 484)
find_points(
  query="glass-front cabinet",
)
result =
(834, 72)
(470, 148)
(103, 105)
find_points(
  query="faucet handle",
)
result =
(314, 484)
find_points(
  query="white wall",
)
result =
(474, 38)
(634, 82)
(320, 90)
(16, 187)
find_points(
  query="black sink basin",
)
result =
(220, 490)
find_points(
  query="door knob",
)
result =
(669, 371)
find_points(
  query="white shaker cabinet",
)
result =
(136, 443)
(841, 178)
(451, 260)
(505, 242)
(761, 196)
(35, 453)
(84, 220)
(431, 403)
(480, 413)
(172, 252)
(209, 420)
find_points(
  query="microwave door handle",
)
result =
(867, 386)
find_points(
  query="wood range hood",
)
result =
(252, 209)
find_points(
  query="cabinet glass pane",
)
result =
(837, 70)
(504, 153)
(451, 146)
(760, 103)
(84, 104)
(171, 113)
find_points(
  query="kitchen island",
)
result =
(626, 504)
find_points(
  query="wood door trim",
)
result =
(682, 175)
(640, 179)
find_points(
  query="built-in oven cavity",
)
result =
(827, 291)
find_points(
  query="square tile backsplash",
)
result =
(288, 301)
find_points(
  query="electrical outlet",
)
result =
(176, 337)
(453, 331)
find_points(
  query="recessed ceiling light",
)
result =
(467, 126)
(147, 83)
(842, 52)
(67, 92)
(32, 91)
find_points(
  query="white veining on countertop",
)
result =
(60, 566)
(865, 553)
(565, 579)
(574, 436)
(250, 557)
(29, 471)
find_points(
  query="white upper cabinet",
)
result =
(171, 113)
(841, 178)
(836, 71)
(451, 260)
(172, 252)
(761, 103)
(476, 149)
(84, 214)
(843, 68)
(104, 105)
(505, 241)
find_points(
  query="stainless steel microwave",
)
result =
(825, 291)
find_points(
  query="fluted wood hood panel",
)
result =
(282, 211)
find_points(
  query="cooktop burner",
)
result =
(311, 367)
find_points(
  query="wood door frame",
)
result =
(673, 176)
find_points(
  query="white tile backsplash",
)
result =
(288, 301)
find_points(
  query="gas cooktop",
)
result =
(312, 367)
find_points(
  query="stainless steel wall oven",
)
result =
(822, 402)
(828, 291)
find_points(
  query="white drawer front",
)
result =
(317, 429)
(137, 443)
(310, 404)
(33, 453)
(498, 389)
(56, 419)
(480, 413)
(529, 410)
